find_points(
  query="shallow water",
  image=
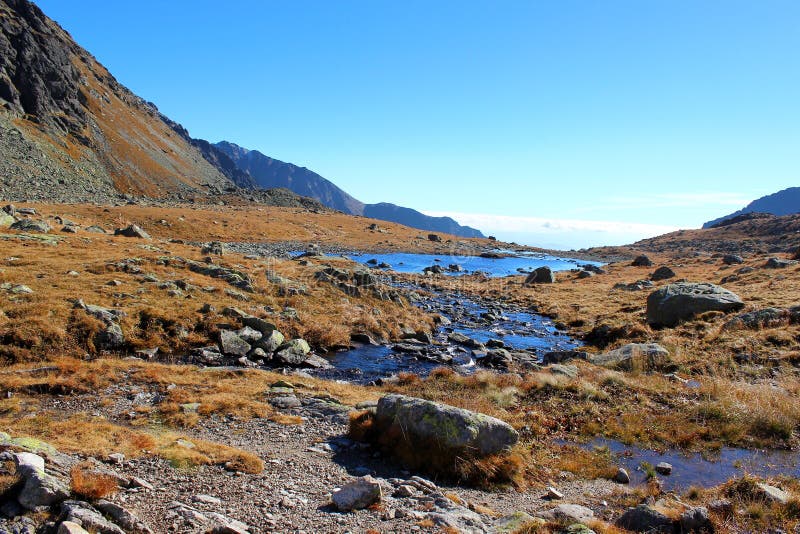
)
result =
(518, 262)
(521, 331)
(694, 469)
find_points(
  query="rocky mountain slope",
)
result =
(785, 202)
(70, 132)
(269, 172)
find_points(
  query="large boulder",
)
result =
(642, 261)
(39, 488)
(662, 273)
(293, 352)
(453, 429)
(645, 519)
(31, 225)
(542, 275)
(132, 230)
(676, 302)
(231, 344)
(640, 356)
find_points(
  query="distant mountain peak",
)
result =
(784, 202)
(269, 172)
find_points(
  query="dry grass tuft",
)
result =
(89, 483)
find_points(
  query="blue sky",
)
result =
(562, 122)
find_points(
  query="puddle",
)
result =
(693, 469)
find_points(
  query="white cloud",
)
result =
(557, 233)
(676, 200)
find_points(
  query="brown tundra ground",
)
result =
(61, 389)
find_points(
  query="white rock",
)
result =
(362, 493)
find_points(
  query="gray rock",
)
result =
(571, 512)
(360, 494)
(286, 402)
(662, 273)
(641, 356)
(585, 274)
(562, 356)
(453, 428)
(732, 259)
(31, 225)
(570, 371)
(110, 338)
(257, 323)
(293, 352)
(542, 275)
(18, 525)
(39, 488)
(645, 519)
(250, 335)
(269, 343)
(88, 517)
(6, 220)
(122, 517)
(132, 230)
(207, 355)
(773, 494)
(96, 229)
(642, 261)
(676, 302)
(453, 517)
(68, 527)
(696, 520)
(231, 344)
(622, 476)
(764, 318)
(664, 468)
(772, 263)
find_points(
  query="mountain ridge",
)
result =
(783, 202)
(270, 172)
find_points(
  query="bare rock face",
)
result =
(677, 302)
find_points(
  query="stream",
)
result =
(488, 325)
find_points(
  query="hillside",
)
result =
(785, 202)
(69, 132)
(268, 172)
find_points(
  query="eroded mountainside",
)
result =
(70, 132)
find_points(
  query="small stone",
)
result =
(362, 493)
(116, 458)
(664, 468)
(553, 494)
(622, 476)
(405, 491)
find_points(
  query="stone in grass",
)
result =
(516, 522)
(683, 300)
(645, 519)
(622, 476)
(773, 494)
(132, 230)
(360, 494)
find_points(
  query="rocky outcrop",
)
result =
(683, 300)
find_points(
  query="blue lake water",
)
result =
(415, 263)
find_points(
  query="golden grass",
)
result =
(88, 483)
